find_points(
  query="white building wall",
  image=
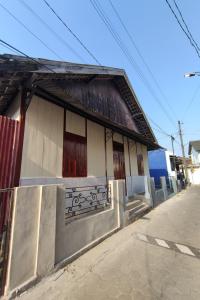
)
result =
(194, 175)
(95, 150)
(126, 156)
(109, 153)
(195, 156)
(43, 144)
(43, 140)
(145, 158)
(117, 137)
(75, 124)
(133, 158)
(169, 169)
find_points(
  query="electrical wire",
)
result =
(73, 34)
(191, 101)
(160, 129)
(181, 26)
(140, 55)
(24, 54)
(6, 47)
(53, 32)
(186, 26)
(27, 29)
(96, 5)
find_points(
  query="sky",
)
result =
(165, 95)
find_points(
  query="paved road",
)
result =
(157, 257)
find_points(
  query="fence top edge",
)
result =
(6, 190)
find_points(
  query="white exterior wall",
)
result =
(126, 157)
(139, 148)
(95, 150)
(145, 158)
(117, 137)
(169, 170)
(75, 124)
(109, 153)
(194, 175)
(43, 145)
(43, 140)
(195, 156)
(133, 158)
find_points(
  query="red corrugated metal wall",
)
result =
(9, 141)
(9, 144)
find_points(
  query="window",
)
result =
(172, 163)
(74, 155)
(140, 164)
(118, 160)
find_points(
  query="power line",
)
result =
(6, 47)
(53, 32)
(140, 54)
(126, 52)
(24, 54)
(27, 29)
(181, 26)
(191, 100)
(70, 30)
(186, 26)
(160, 129)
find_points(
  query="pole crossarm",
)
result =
(191, 74)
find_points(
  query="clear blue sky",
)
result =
(155, 32)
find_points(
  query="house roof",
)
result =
(46, 77)
(195, 145)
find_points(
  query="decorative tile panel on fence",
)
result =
(81, 200)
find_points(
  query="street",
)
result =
(157, 257)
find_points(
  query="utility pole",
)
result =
(183, 150)
(172, 140)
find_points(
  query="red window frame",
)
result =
(74, 155)
(118, 160)
(140, 163)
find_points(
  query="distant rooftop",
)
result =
(195, 145)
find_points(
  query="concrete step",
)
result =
(139, 213)
(140, 196)
(132, 204)
(136, 208)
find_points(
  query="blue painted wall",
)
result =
(157, 165)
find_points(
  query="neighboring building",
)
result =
(194, 152)
(194, 167)
(161, 163)
(76, 122)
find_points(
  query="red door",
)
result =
(74, 155)
(118, 160)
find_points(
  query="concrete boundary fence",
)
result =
(43, 239)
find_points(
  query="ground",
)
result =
(132, 264)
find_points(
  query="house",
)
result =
(194, 167)
(194, 152)
(76, 121)
(66, 132)
(161, 163)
